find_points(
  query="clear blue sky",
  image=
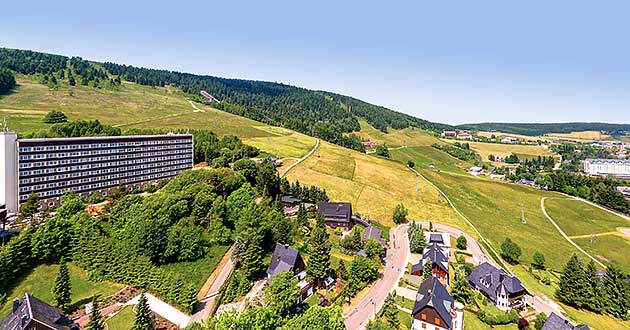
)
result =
(446, 61)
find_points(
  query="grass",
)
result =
(499, 149)
(584, 135)
(196, 272)
(471, 322)
(423, 155)
(373, 185)
(40, 280)
(396, 138)
(123, 320)
(610, 249)
(405, 319)
(404, 302)
(578, 218)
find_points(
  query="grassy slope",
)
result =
(504, 150)
(39, 282)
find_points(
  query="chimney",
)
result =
(501, 277)
(16, 304)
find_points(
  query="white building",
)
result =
(616, 167)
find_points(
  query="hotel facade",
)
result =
(48, 167)
(616, 167)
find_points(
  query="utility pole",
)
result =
(523, 221)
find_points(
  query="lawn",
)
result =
(579, 218)
(40, 280)
(196, 272)
(123, 320)
(471, 322)
(609, 249)
(373, 185)
(584, 135)
(396, 138)
(423, 155)
(499, 149)
(282, 142)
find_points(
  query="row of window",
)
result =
(125, 156)
(116, 169)
(100, 152)
(103, 145)
(183, 158)
(100, 185)
(101, 178)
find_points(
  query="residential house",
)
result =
(504, 290)
(285, 258)
(443, 240)
(336, 214)
(371, 232)
(436, 255)
(435, 308)
(475, 170)
(555, 322)
(368, 144)
(290, 205)
(448, 134)
(509, 139)
(30, 313)
(464, 136)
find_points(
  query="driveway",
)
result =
(396, 261)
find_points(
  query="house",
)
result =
(435, 308)
(285, 258)
(475, 170)
(32, 314)
(368, 144)
(290, 205)
(371, 232)
(555, 322)
(443, 240)
(436, 255)
(448, 134)
(509, 139)
(336, 214)
(464, 136)
(504, 290)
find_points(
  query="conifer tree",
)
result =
(572, 283)
(302, 217)
(61, 289)
(391, 311)
(427, 270)
(96, 319)
(342, 272)
(319, 262)
(144, 320)
(617, 293)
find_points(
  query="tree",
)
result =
(317, 318)
(400, 213)
(144, 320)
(417, 241)
(302, 216)
(539, 322)
(461, 242)
(373, 248)
(341, 270)
(617, 293)
(7, 80)
(71, 80)
(282, 293)
(71, 204)
(391, 311)
(461, 290)
(362, 271)
(538, 260)
(61, 288)
(382, 150)
(427, 269)
(378, 324)
(96, 319)
(52, 240)
(30, 207)
(510, 251)
(572, 283)
(411, 164)
(319, 262)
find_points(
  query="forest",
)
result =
(598, 190)
(546, 128)
(326, 115)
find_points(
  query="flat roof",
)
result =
(109, 137)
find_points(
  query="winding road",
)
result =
(286, 170)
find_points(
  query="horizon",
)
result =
(500, 67)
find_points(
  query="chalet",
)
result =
(448, 134)
(504, 290)
(290, 205)
(555, 322)
(371, 232)
(336, 214)
(436, 255)
(32, 314)
(435, 308)
(443, 240)
(285, 258)
(464, 136)
(368, 144)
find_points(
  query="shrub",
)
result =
(55, 117)
(510, 251)
(462, 243)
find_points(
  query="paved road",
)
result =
(286, 170)
(396, 260)
(206, 306)
(542, 207)
(164, 310)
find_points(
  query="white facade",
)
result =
(616, 167)
(8, 171)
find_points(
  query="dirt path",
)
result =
(286, 170)
(195, 107)
(210, 290)
(542, 207)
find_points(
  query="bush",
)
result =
(510, 251)
(55, 117)
(462, 243)
(539, 260)
(400, 213)
(7, 80)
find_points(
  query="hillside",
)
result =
(546, 128)
(318, 113)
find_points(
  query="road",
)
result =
(286, 170)
(206, 306)
(395, 263)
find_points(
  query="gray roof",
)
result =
(335, 211)
(284, 258)
(290, 200)
(371, 232)
(555, 322)
(490, 279)
(433, 294)
(435, 253)
(417, 267)
(437, 238)
(30, 308)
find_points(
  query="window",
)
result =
(436, 321)
(424, 325)
(423, 316)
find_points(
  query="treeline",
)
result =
(546, 128)
(581, 287)
(458, 150)
(598, 190)
(311, 194)
(7, 80)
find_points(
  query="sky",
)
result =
(447, 61)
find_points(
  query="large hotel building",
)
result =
(86, 165)
(617, 167)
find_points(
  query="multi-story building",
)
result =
(48, 167)
(616, 167)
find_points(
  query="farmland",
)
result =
(504, 150)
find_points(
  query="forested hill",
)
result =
(318, 113)
(546, 128)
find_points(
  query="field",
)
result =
(397, 138)
(123, 320)
(196, 272)
(39, 283)
(500, 135)
(423, 155)
(581, 136)
(373, 185)
(504, 150)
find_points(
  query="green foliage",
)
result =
(306, 193)
(61, 289)
(538, 260)
(185, 242)
(282, 293)
(510, 251)
(55, 117)
(317, 318)
(382, 150)
(96, 321)
(457, 150)
(7, 80)
(373, 249)
(598, 190)
(144, 320)
(411, 164)
(15, 260)
(539, 322)
(51, 241)
(462, 243)
(400, 213)
(391, 311)
(378, 324)
(362, 271)
(71, 204)
(319, 262)
(494, 316)
(427, 269)
(461, 290)
(417, 241)
(341, 270)
(542, 129)
(238, 287)
(352, 242)
(616, 297)
(30, 207)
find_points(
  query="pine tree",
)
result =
(391, 311)
(253, 260)
(342, 272)
(594, 289)
(617, 293)
(427, 270)
(96, 319)
(319, 262)
(144, 320)
(302, 217)
(572, 283)
(61, 288)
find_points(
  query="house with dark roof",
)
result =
(285, 258)
(434, 254)
(30, 313)
(555, 322)
(435, 308)
(371, 232)
(443, 240)
(336, 214)
(504, 290)
(290, 205)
